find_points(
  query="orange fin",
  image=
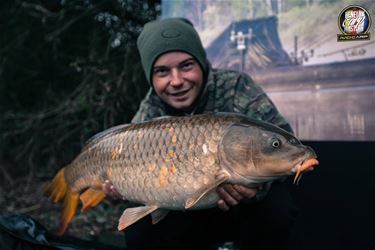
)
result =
(134, 214)
(90, 198)
(57, 188)
(69, 208)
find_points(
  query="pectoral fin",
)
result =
(158, 215)
(134, 214)
(200, 193)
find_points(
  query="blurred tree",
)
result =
(68, 69)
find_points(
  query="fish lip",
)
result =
(305, 165)
(306, 168)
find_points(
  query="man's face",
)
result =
(177, 79)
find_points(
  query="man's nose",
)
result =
(177, 78)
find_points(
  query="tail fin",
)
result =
(57, 190)
(69, 208)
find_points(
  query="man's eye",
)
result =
(187, 65)
(160, 72)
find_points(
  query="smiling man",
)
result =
(182, 82)
(177, 79)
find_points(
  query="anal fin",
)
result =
(90, 198)
(134, 214)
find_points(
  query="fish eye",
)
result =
(276, 143)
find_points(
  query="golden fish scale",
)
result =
(162, 162)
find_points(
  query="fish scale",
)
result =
(176, 163)
(168, 154)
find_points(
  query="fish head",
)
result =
(263, 152)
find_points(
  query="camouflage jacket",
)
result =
(225, 91)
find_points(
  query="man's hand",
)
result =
(110, 190)
(231, 195)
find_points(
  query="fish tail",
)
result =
(58, 190)
(69, 208)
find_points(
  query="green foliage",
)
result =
(68, 69)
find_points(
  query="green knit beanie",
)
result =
(172, 34)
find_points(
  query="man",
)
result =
(183, 83)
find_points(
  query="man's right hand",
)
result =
(110, 190)
(230, 195)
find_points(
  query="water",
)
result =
(339, 113)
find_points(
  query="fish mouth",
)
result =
(305, 165)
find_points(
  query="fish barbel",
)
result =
(176, 163)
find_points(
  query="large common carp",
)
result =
(176, 163)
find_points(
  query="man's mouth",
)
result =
(179, 93)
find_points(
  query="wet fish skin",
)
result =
(160, 159)
(177, 162)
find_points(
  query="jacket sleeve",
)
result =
(251, 100)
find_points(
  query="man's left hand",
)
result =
(110, 190)
(231, 195)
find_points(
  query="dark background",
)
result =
(337, 200)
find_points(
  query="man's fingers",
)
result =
(229, 188)
(231, 195)
(110, 190)
(106, 186)
(114, 192)
(246, 191)
(227, 197)
(222, 205)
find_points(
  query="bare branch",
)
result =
(38, 8)
(7, 176)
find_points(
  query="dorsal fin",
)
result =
(113, 130)
(100, 135)
(161, 117)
